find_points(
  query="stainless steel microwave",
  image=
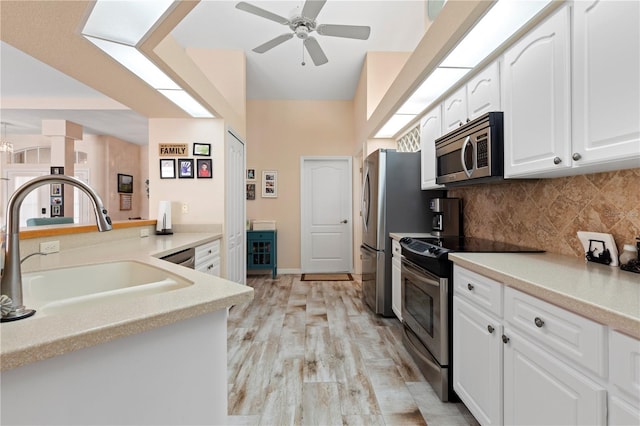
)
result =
(473, 153)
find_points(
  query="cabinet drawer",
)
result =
(580, 340)
(262, 235)
(624, 363)
(395, 248)
(210, 266)
(482, 291)
(208, 249)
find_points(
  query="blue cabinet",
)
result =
(262, 251)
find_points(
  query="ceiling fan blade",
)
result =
(312, 8)
(315, 51)
(261, 12)
(347, 31)
(273, 43)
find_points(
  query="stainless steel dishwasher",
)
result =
(186, 258)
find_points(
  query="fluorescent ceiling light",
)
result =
(135, 62)
(393, 126)
(187, 103)
(499, 23)
(496, 26)
(124, 21)
(438, 82)
(116, 27)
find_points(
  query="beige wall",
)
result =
(204, 197)
(278, 134)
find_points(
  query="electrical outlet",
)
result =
(185, 208)
(50, 247)
(144, 232)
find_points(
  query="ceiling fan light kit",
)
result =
(302, 26)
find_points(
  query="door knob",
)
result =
(576, 156)
(557, 160)
(344, 221)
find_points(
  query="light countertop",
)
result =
(400, 235)
(602, 293)
(44, 336)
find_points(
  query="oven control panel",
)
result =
(423, 248)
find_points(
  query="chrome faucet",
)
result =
(11, 284)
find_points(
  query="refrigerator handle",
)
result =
(366, 203)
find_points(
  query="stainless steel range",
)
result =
(427, 302)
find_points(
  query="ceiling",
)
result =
(277, 74)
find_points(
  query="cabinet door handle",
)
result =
(470, 286)
(576, 156)
(490, 329)
(505, 339)
(557, 160)
(538, 322)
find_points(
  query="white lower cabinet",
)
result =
(538, 364)
(208, 258)
(624, 372)
(541, 389)
(396, 279)
(477, 361)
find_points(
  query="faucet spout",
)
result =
(11, 283)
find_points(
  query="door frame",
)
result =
(304, 218)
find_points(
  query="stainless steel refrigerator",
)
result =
(392, 201)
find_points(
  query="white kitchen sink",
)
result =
(61, 290)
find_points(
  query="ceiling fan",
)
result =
(303, 25)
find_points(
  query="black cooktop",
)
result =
(478, 245)
(432, 253)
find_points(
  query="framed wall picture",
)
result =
(57, 170)
(202, 149)
(251, 174)
(125, 184)
(56, 189)
(269, 184)
(56, 210)
(167, 169)
(251, 191)
(204, 168)
(185, 168)
(126, 201)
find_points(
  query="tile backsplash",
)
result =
(547, 213)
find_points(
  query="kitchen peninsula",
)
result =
(151, 359)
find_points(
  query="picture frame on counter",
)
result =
(205, 168)
(185, 168)
(125, 183)
(202, 149)
(269, 184)
(167, 168)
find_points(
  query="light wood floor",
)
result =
(310, 353)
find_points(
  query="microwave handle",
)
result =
(466, 142)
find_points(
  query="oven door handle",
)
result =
(419, 274)
(466, 142)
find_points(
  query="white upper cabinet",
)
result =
(571, 94)
(481, 94)
(606, 81)
(536, 82)
(430, 130)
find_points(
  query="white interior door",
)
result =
(235, 220)
(326, 214)
(36, 203)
